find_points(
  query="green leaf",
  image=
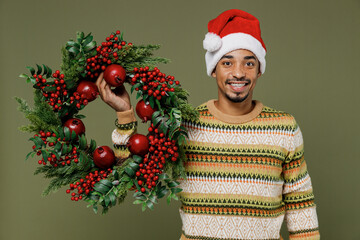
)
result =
(134, 166)
(163, 176)
(168, 199)
(45, 155)
(162, 193)
(139, 93)
(115, 174)
(143, 206)
(92, 146)
(153, 199)
(70, 44)
(23, 76)
(37, 141)
(73, 135)
(67, 133)
(31, 79)
(39, 69)
(28, 155)
(82, 142)
(79, 116)
(49, 89)
(79, 36)
(106, 182)
(87, 40)
(101, 188)
(32, 70)
(73, 50)
(155, 118)
(95, 208)
(129, 171)
(137, 159)
(151, 102)
(176, 190)
(51, 139)
(173, 184)
(49, 74)
(112, 198)
(138, 201)
(150, 204)
(135, 86)
(90, 46)
(45, 70)
(57, 146)
(163, 128)
(107, 200)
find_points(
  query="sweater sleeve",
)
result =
(126, 125)
(300, 216)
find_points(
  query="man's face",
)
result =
(236, 74)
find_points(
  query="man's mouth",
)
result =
(238, 86)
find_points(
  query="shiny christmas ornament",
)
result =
(138, 144)
(104, 157)
(115, 75)
(88, 90)
(75, 124)
(144, 111)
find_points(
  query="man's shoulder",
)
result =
(280, 116)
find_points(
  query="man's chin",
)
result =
(236, 99)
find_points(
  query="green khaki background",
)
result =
(312, 73)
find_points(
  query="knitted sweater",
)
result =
(245, 175)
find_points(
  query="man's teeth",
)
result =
(237, 84)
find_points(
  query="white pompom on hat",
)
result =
(231, 30)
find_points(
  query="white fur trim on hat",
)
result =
(233, 42)
(212, 42)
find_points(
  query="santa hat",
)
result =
(231, 30)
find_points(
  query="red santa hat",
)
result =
(231, 30)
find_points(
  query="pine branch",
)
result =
(140, 56)
(69, 66)
(23, 105)
(57, 183)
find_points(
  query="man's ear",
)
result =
(259, 72)
(213, 74)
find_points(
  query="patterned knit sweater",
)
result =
(245, 175)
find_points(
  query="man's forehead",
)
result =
(246, 54)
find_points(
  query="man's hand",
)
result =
(118, 98)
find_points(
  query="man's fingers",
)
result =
(99, 79)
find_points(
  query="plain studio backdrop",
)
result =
(312, 73)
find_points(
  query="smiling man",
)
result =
(245, 165)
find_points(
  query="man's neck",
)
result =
(226, 106)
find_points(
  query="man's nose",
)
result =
(238, 72)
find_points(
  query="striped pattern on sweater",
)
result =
(244, 179)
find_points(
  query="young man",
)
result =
(245, 161)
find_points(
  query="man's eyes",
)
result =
(250, 64)
(227, 63)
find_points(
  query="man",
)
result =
(245, 161)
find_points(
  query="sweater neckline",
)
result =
(231, 118)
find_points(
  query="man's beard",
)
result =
(237, 98)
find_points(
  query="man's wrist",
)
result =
(126, 116)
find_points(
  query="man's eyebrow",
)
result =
(249, 57)
(227, 56)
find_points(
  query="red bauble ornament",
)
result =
(144, 111)
(104, 157)
(138, 144)
(115, 75)
(75, 124)
(88, 89)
